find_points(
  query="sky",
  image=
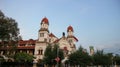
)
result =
(95, 22)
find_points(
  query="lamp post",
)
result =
(57, 58)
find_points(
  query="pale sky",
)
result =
(95, 22)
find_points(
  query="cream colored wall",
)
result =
(44, 26)
(38, 47)
(70, 33)
(64, 43)
(73, 41)
(45, 35)
(52, 39)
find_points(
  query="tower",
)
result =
(70, 31)
(43, 39)
(71, 38)
(43, 33)
(91, 50)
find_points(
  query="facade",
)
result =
(67, 43)
(27, 46)
(37, 47)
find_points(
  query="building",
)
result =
(27, 46)
(37, 47)
(67, 43)
(91, 50)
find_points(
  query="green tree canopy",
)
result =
(51, 54)
(8, 28)
(80, 57)
(23, 57)
(101, 58)
(48, 55)
(116, 59)
(9, 32)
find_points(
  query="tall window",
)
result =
(41, 34)
(40, 52)
(49, 40)
(70, 41)
(45, 40)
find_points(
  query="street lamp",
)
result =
(57, 58)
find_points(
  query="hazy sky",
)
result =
(95, 22)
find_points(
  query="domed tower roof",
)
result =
(45, 20)
(70, 28)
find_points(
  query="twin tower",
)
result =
(66, 43)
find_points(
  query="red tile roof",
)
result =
(45, 20)
(72, 37)
(70, 28)
(23, 42)
(51, 35)
(26, 47)
(19, 47)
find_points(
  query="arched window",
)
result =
(65, 50)
(45, 40)
(70, 41)
(40, 51)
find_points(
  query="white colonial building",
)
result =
(37, 47)
(67, 43)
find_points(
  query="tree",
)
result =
(80, 57)
(51, 54)
(48, 55)
(9, 32)
(23, 57)
(102, 59)
(116, 59)
(58, 54)
(8, 28)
